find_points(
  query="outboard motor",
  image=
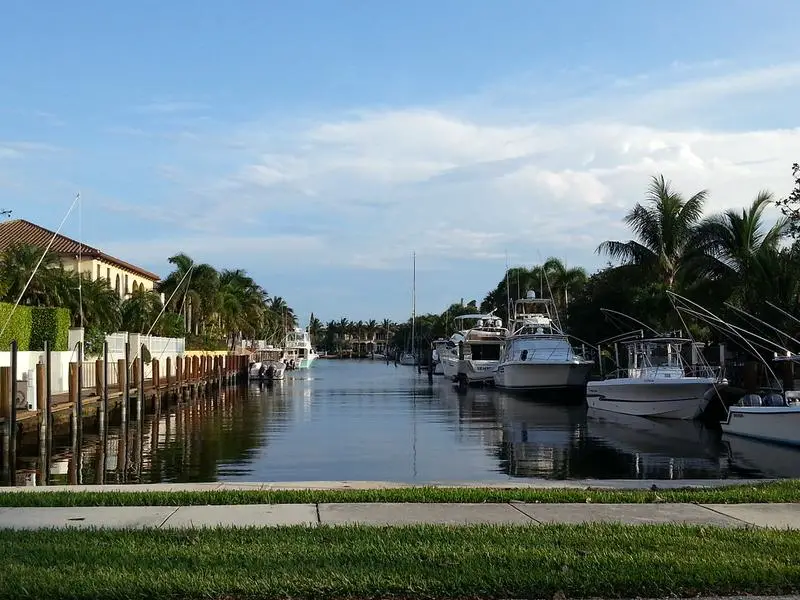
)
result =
(271, 372)
(262, 371)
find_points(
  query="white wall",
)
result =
(160, 348)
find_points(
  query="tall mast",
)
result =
(413, 303)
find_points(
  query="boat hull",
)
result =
(524, 376)
(779, 424)
(262, 372)
(684, 398)
(306, 362)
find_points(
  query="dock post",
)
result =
(73, 383)
(178, 368)
(5, 411)
(79, 385)
(126, 390)
(48, 400)
(168, 371)
(156, 373)
(40, 401)
(104, 399)
(140, 389)
(99, 377)
(13, 415)
(135, 372)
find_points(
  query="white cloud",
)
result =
(470, 185)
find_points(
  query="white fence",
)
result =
(160, 348)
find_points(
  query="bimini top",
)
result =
(488, 321)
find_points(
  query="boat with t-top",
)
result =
(298, 350)
(538, 355)
(657, 382)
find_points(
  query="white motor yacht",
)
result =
(538, 355)
(472, 354)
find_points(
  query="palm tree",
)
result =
(664, 227)
(197, 296)
(101, 305)
(315, 329)
(564, 281)
(741, 248)
(140, 310)
(17, 265)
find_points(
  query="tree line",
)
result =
(214, 309)
(735, 258)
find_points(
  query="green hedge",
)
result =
(50, 325)
(31, 326)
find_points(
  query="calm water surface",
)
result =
(363, 420)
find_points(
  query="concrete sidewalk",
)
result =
(780, 516)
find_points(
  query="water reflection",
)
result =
(351, 420)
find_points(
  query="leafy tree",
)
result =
(790, 206)
(664, 227)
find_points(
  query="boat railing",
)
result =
(668, 372)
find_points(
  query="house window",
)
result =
(127, 285)
(108, 275)
(117, 285)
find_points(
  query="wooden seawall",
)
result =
(133, 394)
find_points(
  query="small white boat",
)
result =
(771, 416)
(657, 383)
(408, 358)
(537, 354)
(437, 347)
(268, 370)
(297, 348)
(472, 354)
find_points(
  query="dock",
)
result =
(129, 397)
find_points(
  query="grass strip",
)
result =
(781, 491)
(598, 560)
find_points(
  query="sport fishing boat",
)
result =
(656, 383)
(771, 415)
(538, 355)
(472, 354)
(297, 348)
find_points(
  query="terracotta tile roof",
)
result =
(20, 230)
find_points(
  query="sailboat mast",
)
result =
(413, 303)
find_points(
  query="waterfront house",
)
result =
(124, 277)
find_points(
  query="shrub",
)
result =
(31, 326)
(50, 325)
(19, 327)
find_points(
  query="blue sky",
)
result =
(316, 144)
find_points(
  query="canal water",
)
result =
(365, 420)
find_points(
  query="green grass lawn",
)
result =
(782, 491)
(379, 562)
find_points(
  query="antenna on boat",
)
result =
(783, 312)
(745, 313)
(635, 320)
(508, 291)
(80, 257)
(733, 328)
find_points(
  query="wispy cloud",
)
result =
(19, 149)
